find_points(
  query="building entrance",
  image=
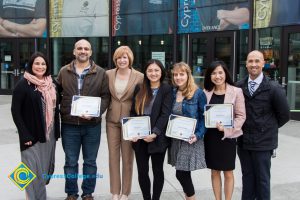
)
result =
(291, 76)
(207, 47)
(14, 57)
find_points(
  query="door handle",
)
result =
(283, 82)
(16, 72)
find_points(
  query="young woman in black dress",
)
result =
(220, 142)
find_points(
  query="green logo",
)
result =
(22, 176)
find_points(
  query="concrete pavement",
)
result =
(285, 167)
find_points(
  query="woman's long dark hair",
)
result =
(32, 58)
(145, 95)
(208, 84)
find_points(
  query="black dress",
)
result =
(219, 154)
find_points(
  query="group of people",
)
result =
(259, 105)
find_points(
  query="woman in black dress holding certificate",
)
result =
(153, 98)
(189, 101)
(220, 142)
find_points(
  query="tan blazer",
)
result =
(119, 108)
(235, 96)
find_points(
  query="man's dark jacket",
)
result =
(267, 110)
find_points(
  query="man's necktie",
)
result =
(252, 87)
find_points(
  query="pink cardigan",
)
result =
(235, 96)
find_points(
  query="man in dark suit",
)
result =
(267, 110)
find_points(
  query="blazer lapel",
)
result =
(130, 83)
(229, 94)
(112, 80)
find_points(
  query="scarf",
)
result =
(47, 89)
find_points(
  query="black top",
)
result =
(27, 112)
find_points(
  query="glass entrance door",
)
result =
(292, 58)
(208, 47)
(14, 57)
(8, 65)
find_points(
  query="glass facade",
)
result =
(197, 32)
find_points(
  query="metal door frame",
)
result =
(211, 44)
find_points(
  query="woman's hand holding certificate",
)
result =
(218, 114)
(136, 127)
(181, 127)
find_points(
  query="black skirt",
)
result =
(219, 154)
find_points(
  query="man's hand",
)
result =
(86, 117)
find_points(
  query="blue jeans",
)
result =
(73, 138)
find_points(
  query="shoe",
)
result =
(71, 197)
(88, 197)
(115, 197)
(124, 197)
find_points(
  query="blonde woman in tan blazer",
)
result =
(220, 142)
(122, 82)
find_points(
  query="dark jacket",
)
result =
(27, 112)
(159, 117)
(95, 84)
(194, 108)
(266, 110)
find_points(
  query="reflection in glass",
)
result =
(293, 86)
(7, 65)
(268, 42)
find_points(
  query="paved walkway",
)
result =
(285, 167)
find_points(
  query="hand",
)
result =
(135, 139)
(221, 14)
(193, 139)
(220, 126)
(86, 117)
(150, 138)
(223, 24)
(28, 143)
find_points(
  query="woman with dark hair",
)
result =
(220, 142)
(153, 98)
(35, 112)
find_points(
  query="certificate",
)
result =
(218, 113)
(181, 127)
(136, 127)
(85, 105)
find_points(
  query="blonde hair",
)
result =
(119, 53)
(190, 87)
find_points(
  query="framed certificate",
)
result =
(218, 113)
(136, 127)
(85, 105)
(181, 127)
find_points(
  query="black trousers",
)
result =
(185, 179)
(256, 166)
(142, 160)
